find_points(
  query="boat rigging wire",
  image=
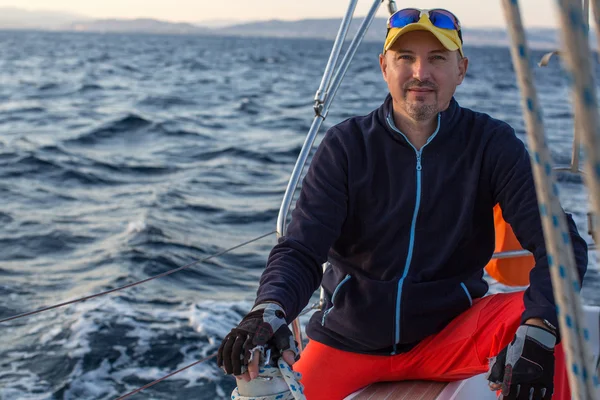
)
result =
(130, 285)
(165, 377)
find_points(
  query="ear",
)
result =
(463, 65)
(383, 65)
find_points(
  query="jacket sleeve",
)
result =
(294, 267)
(513, 187)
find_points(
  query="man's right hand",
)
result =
(244, 346)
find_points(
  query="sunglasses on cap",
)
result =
(439, 18)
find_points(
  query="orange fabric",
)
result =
(509, 271)
(459, 351)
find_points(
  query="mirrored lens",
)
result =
(444, 19)
(404, 17)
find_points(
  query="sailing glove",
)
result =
(525, 368)
(265, 326)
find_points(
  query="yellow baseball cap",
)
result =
(449, 38)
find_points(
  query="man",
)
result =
(400, 202)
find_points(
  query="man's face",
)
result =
(421, 74)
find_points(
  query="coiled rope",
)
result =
(295, 389)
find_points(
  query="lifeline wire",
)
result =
(136, 283)
(165, 377)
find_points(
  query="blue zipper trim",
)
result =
(335, 292)
(467, 292)
(411, 245)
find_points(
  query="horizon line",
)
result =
(236, 22)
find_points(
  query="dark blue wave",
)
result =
(5, 218)
(127, 125)
(30, 246)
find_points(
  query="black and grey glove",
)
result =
(525, 367)
(265, 325)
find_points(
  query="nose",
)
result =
(421, 69)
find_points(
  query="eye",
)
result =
(405, 57)
(438, 57)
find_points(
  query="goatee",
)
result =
(421, 112)
(416, 109)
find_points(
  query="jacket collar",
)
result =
(448, 118)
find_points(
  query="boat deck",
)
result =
(410, 390)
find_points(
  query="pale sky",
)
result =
(472, 13)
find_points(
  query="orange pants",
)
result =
(461, 350)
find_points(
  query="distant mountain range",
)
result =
(13, 18)
(218, 23)
(141, 25)
(16, 18)
(545, 38)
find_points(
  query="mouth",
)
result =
(421, 90)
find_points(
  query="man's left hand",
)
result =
(525, 368)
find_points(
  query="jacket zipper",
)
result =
(411, 244)
(335, 292)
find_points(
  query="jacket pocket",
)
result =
(462, 284)
(363, 317)
(335, 293)
(427, 307)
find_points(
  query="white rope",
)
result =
(295, 388)
(596, 16)
(561, 261)
(575, 36)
